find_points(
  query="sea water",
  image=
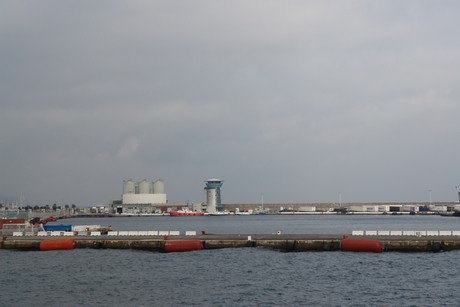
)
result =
(236, 277)
(267, 224)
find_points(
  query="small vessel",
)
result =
(185, 212)
(219, 213)
(239, 212)
(243, 213)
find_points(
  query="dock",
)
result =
(278, 242)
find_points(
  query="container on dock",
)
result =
(11, 221)
(88, 228)
(85, 227)
(57, 227)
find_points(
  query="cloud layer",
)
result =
(295, 100)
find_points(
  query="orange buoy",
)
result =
(57, 244)
(367, 246)
(172, 246)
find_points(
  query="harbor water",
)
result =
(236, 277)
(266, 224)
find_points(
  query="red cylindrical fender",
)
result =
(57, 244)
(369, 246)
(172, 246)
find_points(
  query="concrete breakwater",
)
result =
(286, 243)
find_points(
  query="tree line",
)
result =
(54, 207)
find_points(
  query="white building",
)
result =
(143, 192)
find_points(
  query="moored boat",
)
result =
(185, 212)
(218, 213)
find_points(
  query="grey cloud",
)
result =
(295, 100)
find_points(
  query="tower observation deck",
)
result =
(213, 198)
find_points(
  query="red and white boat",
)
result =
(185, 212)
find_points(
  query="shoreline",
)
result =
(104, 215)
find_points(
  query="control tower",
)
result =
(213, 200)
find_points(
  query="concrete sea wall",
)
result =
(286, 243)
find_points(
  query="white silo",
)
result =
(158, 187)
(128, 187)
(145, 187)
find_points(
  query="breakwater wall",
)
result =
(285, 243)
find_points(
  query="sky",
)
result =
(286, 101)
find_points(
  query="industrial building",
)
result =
(142, 196)
(212, 195)
(146, 196)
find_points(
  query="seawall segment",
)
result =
(286, 243)
(24, 245)
(141, 244)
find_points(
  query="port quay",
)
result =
(174, 241)
(358, 241)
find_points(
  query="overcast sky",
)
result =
(295, 101)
